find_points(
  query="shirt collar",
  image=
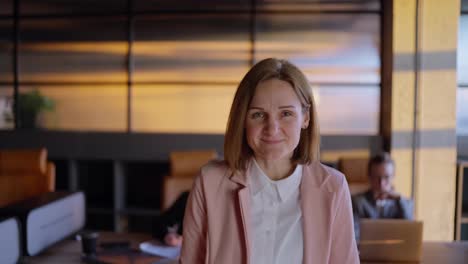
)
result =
(258, 180)
(285, 187)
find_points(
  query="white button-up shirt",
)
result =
(276, 218)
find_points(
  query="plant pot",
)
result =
(28, 119)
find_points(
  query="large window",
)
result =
(6, 107)
(161, 66)
(71, 7)
(200, 48)
(6, 51)
(6, 73)
(80, 64)
(73, 50)
(6, 7)
(462, 72)
(339, 53)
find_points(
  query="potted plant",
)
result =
(31, 104)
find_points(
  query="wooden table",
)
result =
(441, 253)
(69, 251)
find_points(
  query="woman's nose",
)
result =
(272, 126)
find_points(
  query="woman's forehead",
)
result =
(275, 92)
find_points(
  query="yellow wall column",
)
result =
(423, 109)
(403, 79)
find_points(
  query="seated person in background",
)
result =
(381, 200)
(167, 227)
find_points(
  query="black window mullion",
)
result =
(252, 30)
(130, 64)
(16, 38)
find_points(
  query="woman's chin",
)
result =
(273, 156)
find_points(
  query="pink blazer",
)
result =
(217, 217)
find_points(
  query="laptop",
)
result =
(390, 240)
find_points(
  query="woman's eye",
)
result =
(258, 115)
(287, 113)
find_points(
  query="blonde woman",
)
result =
(270, 200)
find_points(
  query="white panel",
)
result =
(50, 223)
(9, 241)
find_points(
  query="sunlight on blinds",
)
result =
(181, 108)
(84, 108)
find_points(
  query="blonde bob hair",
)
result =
(236, 150)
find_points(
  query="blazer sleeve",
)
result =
(343, 243)
(195, 226)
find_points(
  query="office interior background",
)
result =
(133, 80)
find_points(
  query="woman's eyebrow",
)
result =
(281, 107)
(255, 107)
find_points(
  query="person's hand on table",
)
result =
(173, 239)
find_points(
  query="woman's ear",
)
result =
(305, 123)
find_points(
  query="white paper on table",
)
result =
(155, 248)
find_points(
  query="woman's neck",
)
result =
(276, 169)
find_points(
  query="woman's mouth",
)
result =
(272, 141)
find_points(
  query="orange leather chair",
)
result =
(24, 174)
(184, 166)
(355, 170)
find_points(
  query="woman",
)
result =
(270, 201)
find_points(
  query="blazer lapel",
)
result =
(244, 204)
(316, 217)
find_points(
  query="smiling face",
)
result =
(274, 121)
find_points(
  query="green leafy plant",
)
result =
(34, 101)
(30, 105)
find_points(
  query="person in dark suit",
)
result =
(381, 200)
(167, 227)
